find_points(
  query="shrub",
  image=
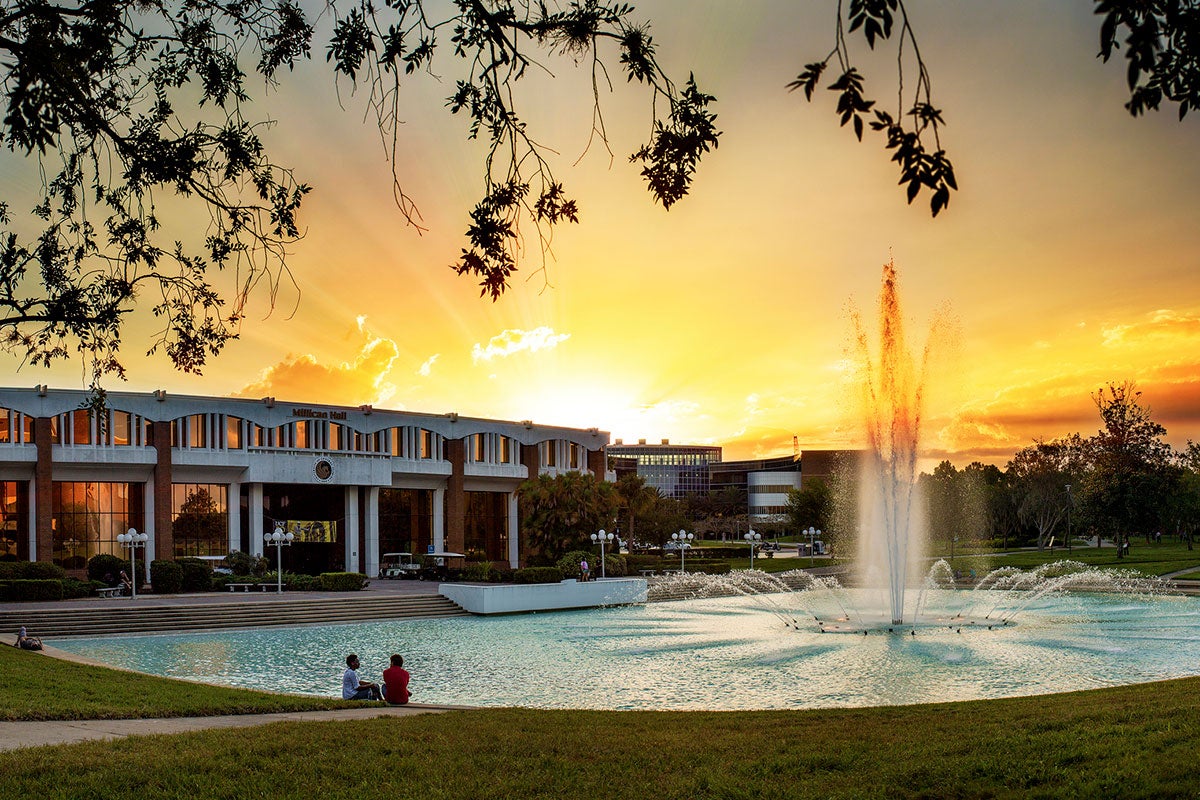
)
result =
(76, 588)
(40, 570)
(711, 567)
(240, 563)
(569, 564)
(302, 583)
(197, 577)
(30, 570)
(166, 576)
(538, 575)
(107, 568)
(31, 589)
(478, 571)
(502, 574)
(636, 561)
(614, 565)
(343, 581)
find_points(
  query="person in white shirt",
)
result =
(353, 688)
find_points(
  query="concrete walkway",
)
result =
(14, 735)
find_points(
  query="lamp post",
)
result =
(813, 533)
(602, 538)
(683, 537)
(132, 541)
(1068, 517)
(752, 538)
(279, 539)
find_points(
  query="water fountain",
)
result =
(892, 386)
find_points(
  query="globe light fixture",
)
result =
(683, 537)
(603, 538)
(812, 534)
(753, 538)
(132, 541)
(280, 540)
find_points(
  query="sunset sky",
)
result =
(1069, 258)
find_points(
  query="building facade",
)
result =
(206, 475)
(676, 470)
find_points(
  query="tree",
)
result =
(1161, 47)
(635, 499)
(130, 106)
(559, 514)
(1128, 457)
(811, 505)
(1040, 474)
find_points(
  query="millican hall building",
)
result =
(204, 476)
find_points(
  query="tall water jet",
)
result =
(891, 524)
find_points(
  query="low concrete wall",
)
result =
(545, 596)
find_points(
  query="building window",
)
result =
(485, 524)
(14, 516)
(81, 427)
(6, 426)
(303, 438)
(479, 446)
(233, 433)
(87, 516)
(336, 436)
(197, 430)
(426, 444)
(405, 520)
(200, 519)
(121, 432)
(505, 450)
(551, 454)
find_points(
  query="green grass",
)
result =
(1149, 559)
(37, 687)
(1129, 742)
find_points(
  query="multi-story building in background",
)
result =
(681, 470)
(676, 470)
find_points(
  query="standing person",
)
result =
(583, 570)
(395, 682)
(355, 689)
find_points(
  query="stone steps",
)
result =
(150, 617)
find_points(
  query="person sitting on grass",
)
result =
(395, 682)
(353, 688)
(26, 642)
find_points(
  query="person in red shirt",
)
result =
(395, 682)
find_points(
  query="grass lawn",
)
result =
(1149, 559)
(1129, 742)
(36, 686)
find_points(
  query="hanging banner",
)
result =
(312, 530)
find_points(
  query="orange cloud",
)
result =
(360, 380)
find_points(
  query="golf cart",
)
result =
(398, 565)
(441, 566)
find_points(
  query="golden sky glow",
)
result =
(1068, 259)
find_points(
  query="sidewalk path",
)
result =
(14, 735)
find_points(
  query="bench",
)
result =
(245, 587)
(111, 591)
(647, 572)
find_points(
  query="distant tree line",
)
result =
(1123, 481)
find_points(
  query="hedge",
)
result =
(31, 589)
(196, 577)
(30, 570)
(343, 581)
(166, 576)
(538, 575)
(106, 567)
